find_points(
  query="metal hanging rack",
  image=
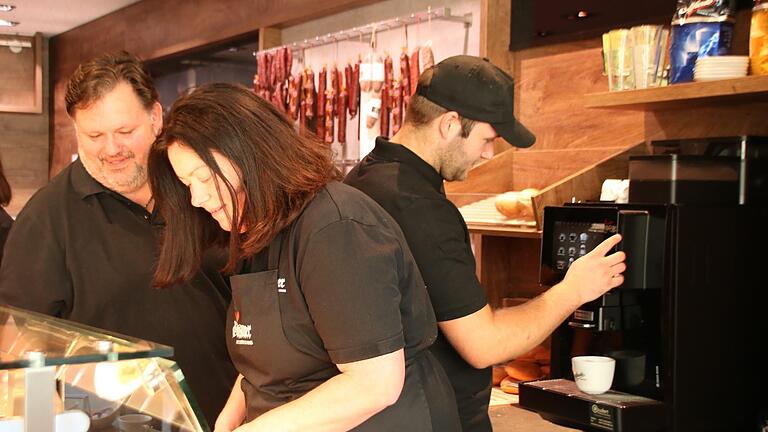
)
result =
(440, 14)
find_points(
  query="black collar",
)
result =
(397, 152)
(83, 183)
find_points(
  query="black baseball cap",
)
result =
(480, 91)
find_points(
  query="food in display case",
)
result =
(517, 204)
(56, 375)
(533, 365)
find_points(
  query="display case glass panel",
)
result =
(109, 381)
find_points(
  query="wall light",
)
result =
(15, 45)
(6, 23)
(6, 7)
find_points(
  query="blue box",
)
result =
(692, 40)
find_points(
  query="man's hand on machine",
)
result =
(594, 274)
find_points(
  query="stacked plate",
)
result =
(720, 67)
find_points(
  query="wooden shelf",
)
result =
(503, 231)
(750, 88)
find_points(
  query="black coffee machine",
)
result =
(686, 328)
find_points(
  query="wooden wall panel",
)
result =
(153, 30)
(510, 268)
(543, 168)
(708, 121)
(24, 144)
(17, 83)
(551, 83)
(522, 169)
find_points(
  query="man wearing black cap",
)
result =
(461, 105)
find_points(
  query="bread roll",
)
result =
(498, 374)
(507, 205)
(517, 205)
(530, 192)
(523, 370)
(508, 385)
(525, 202)
(539, 354)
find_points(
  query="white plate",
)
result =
(708, 72)
(722, 58)
(719, 74)
(722, 71)
(712, 78)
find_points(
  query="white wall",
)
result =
(448, 39)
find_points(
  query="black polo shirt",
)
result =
(412, 192)
(85, 253)
(6, 221)
(346, 288)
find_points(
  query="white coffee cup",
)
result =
(593, 374)
(133, 422)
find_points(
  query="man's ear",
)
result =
(449, 125)
(157, 118)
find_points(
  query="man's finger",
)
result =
(607, 244)
(616, 258)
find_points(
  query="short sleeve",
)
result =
(350, 276)
(439, 243)
(33, 275)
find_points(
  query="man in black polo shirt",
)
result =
(84, 246)
(461, 105)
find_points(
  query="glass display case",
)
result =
(56, 375)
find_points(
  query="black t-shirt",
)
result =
(412, 192)
(6, 221)
(82, 252)
(346, 288)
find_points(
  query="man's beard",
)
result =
(453, 166)
(131, 179)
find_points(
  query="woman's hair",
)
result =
(5, 188)
(280, 172)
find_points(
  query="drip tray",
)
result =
(561, 402)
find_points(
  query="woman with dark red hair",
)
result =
(330, 320)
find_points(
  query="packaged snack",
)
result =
(699, 28)
(758, 39)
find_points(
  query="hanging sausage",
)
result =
(405, 79)
(397, 106)
(386, 101)
(414, 64)
(308, 98)
(341, 109)
(334, 74)
(328, 120)
(427, 57)
(288, 62)
(322, 81)
(353, 90)
(294, 95)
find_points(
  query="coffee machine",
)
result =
(683, 327)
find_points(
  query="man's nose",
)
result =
(112, 146)
(487, 151)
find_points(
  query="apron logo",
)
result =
(241, 333)
(281, 285)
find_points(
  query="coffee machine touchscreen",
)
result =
(572, 240)
(570, 233)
